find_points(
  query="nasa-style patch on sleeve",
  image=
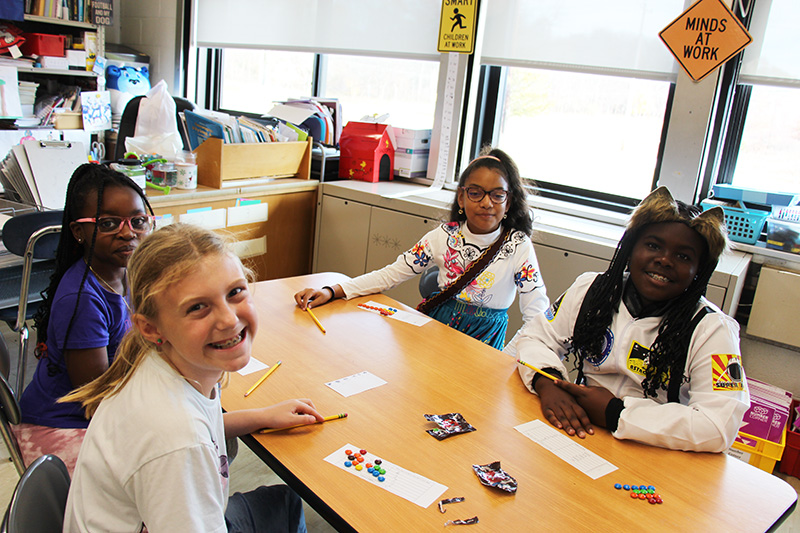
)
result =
(726, 372)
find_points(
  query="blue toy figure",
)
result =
(131, 80)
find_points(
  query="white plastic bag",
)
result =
(156, 125)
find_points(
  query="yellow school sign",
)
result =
(457, 26)
(705, 36)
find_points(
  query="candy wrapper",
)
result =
(449, 424)
(462, 522)
(492, 475)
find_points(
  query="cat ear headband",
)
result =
(659, 206)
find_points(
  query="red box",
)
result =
(366, 152)
(43, 44)
(790, 462)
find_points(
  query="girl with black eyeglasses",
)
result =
(484, 255)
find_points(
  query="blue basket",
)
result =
(744, 225)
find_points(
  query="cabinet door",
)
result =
(560, 267)
(390, 234)
(343, 236)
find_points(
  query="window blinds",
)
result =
(774, 55)
(608, 37)
(400, 28)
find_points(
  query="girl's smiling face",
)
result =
(206, 321)
(665, 260)
(483, 216)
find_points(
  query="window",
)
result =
(587, 131)
(403, 88)
(769, 152)
(252, 80)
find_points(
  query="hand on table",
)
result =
(593, 400)
(290, 413)
(562, 410)
(310, 297)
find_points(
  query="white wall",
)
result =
(151, 27)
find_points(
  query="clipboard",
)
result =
(52, 164)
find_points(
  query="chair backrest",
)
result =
(428, 282)
(127, 123)
(10, 414)
(17, 232)
(40, 499)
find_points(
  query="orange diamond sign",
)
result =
(705, 36)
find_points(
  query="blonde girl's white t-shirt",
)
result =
(154, 454)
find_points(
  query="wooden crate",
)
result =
(222, 165)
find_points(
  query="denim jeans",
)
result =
(267, 509)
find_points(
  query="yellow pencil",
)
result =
(542, 372)
(313, 316)
(261, 380)
(326, 419)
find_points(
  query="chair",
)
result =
(9, 414)
(429, 282)
(40, 499)
(127, 123)
(30, 236)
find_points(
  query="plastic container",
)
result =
(758, 452)
(790, 462)
(186, 164)
(43, 44)
(744, 225)
(133, 169)
(164, 174)
(783, 235)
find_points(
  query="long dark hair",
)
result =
(87, 179)
(675, 332)
(519, 214)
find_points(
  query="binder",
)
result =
(52, 164)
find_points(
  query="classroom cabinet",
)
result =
(277, 247)
(354, 238)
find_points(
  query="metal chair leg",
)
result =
(22, 360)
(13, 449)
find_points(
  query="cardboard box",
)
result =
(68, 121)
(411, 164)
(366, 152)
(223, 165)
(54, 62)
(783, 235)
(412, 139)
(76, 59)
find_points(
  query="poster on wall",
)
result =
(102, 12)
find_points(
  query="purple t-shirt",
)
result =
(101, 320)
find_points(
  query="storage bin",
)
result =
(790, 462)
(744, 225)
(43, 44)
(222, 165)
(783, 235)
(763, 453)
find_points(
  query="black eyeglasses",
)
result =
(138, 223)
(476, 194)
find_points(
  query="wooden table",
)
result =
(435, 370)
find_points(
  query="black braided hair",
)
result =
(86, 179)
(674, 334)
(519, 214)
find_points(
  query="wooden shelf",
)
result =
(57, 72)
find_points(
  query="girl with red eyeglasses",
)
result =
(85, 311)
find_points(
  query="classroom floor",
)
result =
(248, 472)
